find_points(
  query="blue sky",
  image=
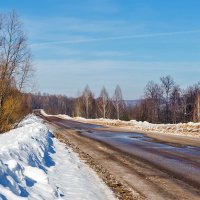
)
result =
(109, 42)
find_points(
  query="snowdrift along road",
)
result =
(35, 165)
(185, 129)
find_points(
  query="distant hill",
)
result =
(131, 102)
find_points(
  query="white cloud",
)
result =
(120, 37)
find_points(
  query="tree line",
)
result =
(15, 70)
(85, 105)
(166, 102)
(163, 102)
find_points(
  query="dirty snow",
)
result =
(189, 129)
(62, 116)
(34, 165)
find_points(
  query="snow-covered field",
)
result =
(34, 165)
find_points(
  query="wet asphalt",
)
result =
(180, 161)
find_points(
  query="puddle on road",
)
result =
(166, 143)
(134, 139)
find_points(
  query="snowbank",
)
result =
(62, 116)
(44, 113)
(190, 129)
(34, 165)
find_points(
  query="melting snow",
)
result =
(190, 128)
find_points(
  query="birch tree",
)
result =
(103, 102)
(118, 101)
(87, 100)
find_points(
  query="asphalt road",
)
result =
(153, 167)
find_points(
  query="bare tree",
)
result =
(196, 108)
(167, 85)
(118, 101)
(189, 102)
(14, 55)
(196, 112)
(183, 105)
(103, 102)
(153, 95)
(175, 103)
(87, 100)
(78, 107)
(15, 64)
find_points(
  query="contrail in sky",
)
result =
(123, 37)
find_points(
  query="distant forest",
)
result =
(163, 102)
